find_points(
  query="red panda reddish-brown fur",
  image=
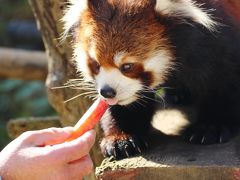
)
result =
(129, 48)
(116, 37)
(232, 7)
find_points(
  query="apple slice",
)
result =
(89, 119)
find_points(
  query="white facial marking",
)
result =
(92, 50)
(160, 63)
(118, 57)
(80, 58)
(126, 88)
(186, 9)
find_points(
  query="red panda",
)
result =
(130, 48)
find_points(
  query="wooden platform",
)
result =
(170, 158)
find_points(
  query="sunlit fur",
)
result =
(93, 41)
(189, 46)
(180, 8)
(73, 14)
(101, 45)
(186, 9)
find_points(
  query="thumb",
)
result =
(50, 136)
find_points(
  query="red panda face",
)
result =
(124, 52)
(122, 46)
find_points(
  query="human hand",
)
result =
(27, 158)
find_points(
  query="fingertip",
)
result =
(87, 140)
(92, 132)
(90, 135)
(68, 129)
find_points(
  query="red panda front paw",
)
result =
(122, 146)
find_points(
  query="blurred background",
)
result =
(19, 98)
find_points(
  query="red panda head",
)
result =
(122, 45)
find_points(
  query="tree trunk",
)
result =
(60, 66)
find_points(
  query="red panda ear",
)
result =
(185, 9)
(72, 14)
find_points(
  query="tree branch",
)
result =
(23, 64)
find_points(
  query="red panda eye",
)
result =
(95, 66)
(125, 68)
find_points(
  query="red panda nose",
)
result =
(108, 92)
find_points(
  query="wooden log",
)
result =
(23, 64)
(16, 127)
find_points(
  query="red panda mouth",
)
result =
(112, 101)
(121, 102)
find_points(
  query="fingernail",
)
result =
(93, 132)
(91, 136)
